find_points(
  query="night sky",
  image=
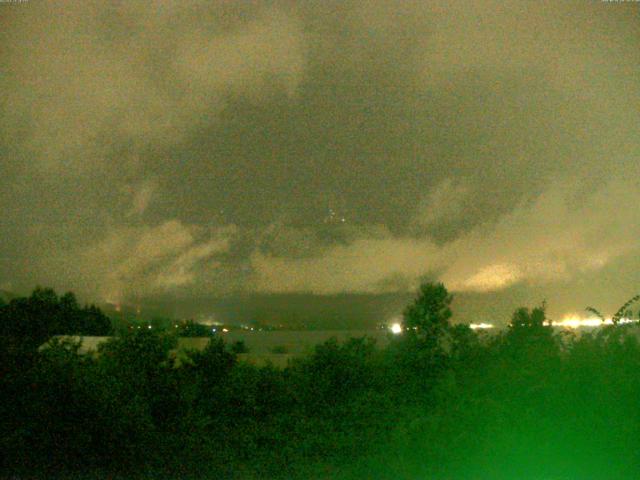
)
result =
(255, 159)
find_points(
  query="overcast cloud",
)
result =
(200, 149)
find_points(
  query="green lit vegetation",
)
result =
(440, 402)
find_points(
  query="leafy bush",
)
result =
(525, 403)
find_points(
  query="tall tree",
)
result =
(430, 311)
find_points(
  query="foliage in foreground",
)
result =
(440, 402)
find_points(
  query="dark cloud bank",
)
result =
(319, 158)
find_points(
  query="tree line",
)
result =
(441, 401)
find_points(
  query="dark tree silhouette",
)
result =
(530, 337)
(523, 318)
(30, 321)
(623, 312)
(239, 346)
(440, 401)
(431, 310)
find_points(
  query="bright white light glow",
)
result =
(566, 322)
(396, 328)
(577, 322)
(480, 326)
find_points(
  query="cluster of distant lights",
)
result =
(397, 328)
(332, 217)
(214, 329)
(571, 322)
